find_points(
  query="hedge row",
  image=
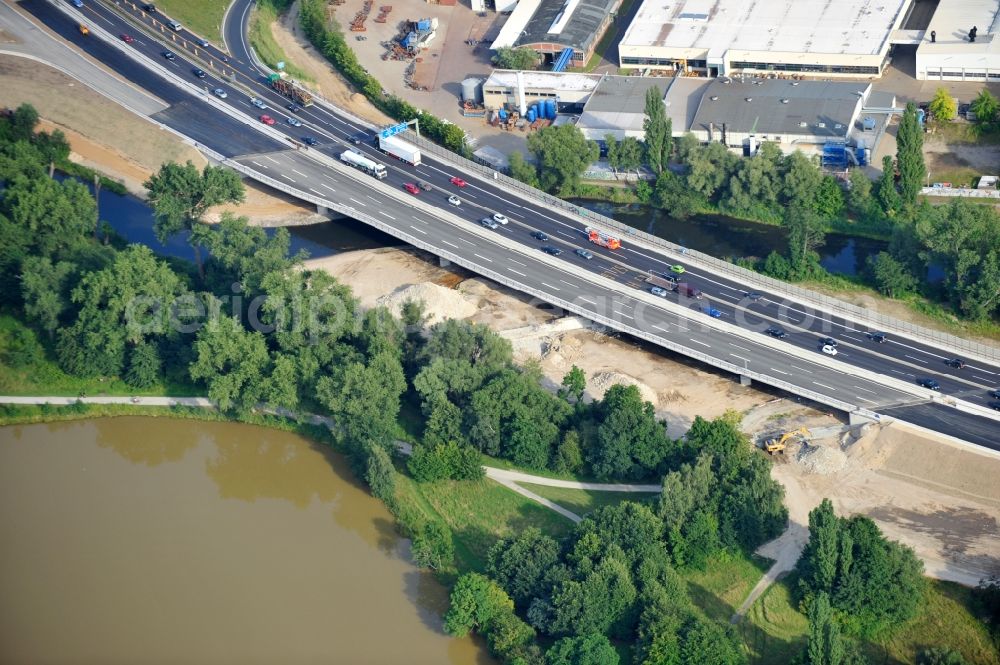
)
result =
(327, 38)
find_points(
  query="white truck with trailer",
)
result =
(362, 163)
(399, 149)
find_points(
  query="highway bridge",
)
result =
(866, 379)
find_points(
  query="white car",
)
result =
(657, 291)
(829, 350)
(499, 219)
(294, 122)
(454, 200)
(259, 103)
(220, 93)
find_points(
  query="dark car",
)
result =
(584, 253)
(309, 140)
(198, 72)
(994, 405)
(828, 341)
(549, 249)
(667, 276)
(776, 331)
(360, 137)
(424, 185)
(957, 363)
(169, 55)
(538, 235)
(149, 7)
(293, 107)
(931, 384)
(753, 296)
(995, 393)
(128, 39)
(877, 337)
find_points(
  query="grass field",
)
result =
(45, 378)
(582, 502)
(264, 14)
(479, 513)
(203, 17)
(727, 579)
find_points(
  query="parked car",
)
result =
(489, 223)
(499, 219)
(878, 337)
(679, 269)
(538, 235)
(829, 350)
(220, 93)
(711, 311)
(584, 253)
(776, 331)
(267, 120)
(458, 182)
(411, 188)
(454, 200)
(931, 384)
(293, 121)
(957, 363)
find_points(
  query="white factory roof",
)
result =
(556, 81)
(859, 27)
(515, 24)
(952, 21)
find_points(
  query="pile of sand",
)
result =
(600, 382)
(821, 459)
(440, 302)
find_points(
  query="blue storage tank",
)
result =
(550, 109)
(503, 114)
(543, 109)
(531, 114)
(424, 24)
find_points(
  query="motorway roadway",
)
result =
(900, 358)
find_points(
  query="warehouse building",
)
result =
(726, 37)
(504, 89)
(618, 105)
(946, 52)
(805, 115)
(554, 28)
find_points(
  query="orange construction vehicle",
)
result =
(603, 239)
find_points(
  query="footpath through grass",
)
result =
(203, 17)
(582, 502)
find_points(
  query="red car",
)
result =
(128, 39)
(411, 188)
(267, 120)
(458, 182)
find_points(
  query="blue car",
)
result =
(712, 312)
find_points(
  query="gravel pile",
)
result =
(440, 302)
(820, 459)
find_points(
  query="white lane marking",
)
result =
(740, 358)
(258, 164)
(853, 339)
(358, 202)
(866, 390)
(917, 359)
(516, 272)
(625, 305)
(737, 346)
(726, 295)
(627, 316)
(984, 378)
(373, 198)
(659, 328)
(823, 385)
(569, 283)
(554, 288)
(286, 177)
(271, 159)
(898, 372)
(801, 369)
(327, 187)
(585, 299)
(385, 214)
(468, 242)
(568, 235)
(702, 343)
(980, 369)
(300, 173)
(315, 191)
(778, 371)
(523, 265)
(418, 230)
(483, 258)
(450, 244)
(865, 399)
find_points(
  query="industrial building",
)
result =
(946, 52)
(563, 32)
(806, 115)
(617, 105)
(726, 37)
(504, 88)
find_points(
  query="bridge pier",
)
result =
(744, 380)
(854, 418)
(443, 262)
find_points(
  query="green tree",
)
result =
(942, 106)
(891, 277)
(829, 198)
(805, 234)
(22, 123)
(180, 196)
(507, 57)
(826, 646)
(756, 181)
(910, 155)
(562, 154)
(590, 649)
(55, 215)
(574, 384)
(611, 147)
(985, 106)
(629, 154)
(522, 170)
(859, 193)
(144, 366)
(245, 254)
(886, 191)
(819, 558)
(673, 193)
(432, 546)
(45, 291)
(630, 441)
(709, 168)
(364, 399)
(706, 642)
(521, 563)
(595, 603)
(22, 349)
(940, 656)
(476, 601)
(233, 362)
(568, 456)
(658, 131)
(801, 181)
(380, 475)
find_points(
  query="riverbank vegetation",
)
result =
(650, 580)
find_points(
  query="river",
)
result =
(141, 540)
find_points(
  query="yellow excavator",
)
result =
(778, 445)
